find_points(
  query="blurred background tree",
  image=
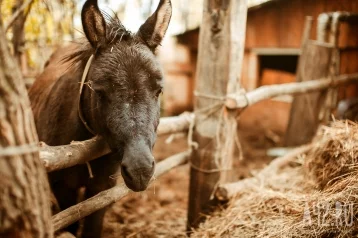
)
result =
(42, 26)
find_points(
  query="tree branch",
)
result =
(107, 197)
(19, 11)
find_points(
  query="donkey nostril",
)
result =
(153, 163)
(126, 173)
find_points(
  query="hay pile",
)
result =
(334, 155)
(312, 195)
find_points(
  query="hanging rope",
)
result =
(84, 76)
(80, 114)
(204, 114)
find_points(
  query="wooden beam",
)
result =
(221, 47)
(242, 100)
(79, 152)
(107, 197)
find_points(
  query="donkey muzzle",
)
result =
(137, 167)
(137, 179)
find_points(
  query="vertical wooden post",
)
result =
(221, 47)
(314, 63)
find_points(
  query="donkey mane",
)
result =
(115, 32)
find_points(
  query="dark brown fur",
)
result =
(119, 101)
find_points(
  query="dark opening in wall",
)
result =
(277, 69)
(287, 63)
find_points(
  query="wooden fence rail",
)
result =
(61, 157)
(237, 101)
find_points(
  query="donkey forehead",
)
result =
(134, 61)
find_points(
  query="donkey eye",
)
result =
(100, 93)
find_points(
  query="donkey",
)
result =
(119, 102)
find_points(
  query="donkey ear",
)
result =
(153, 30)
(94, 24)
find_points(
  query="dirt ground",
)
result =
(161, 210)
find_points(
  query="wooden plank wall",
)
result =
(280, 24)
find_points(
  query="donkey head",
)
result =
(127, 80)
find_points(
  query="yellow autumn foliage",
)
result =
(48, 24)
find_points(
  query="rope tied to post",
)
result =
(238, 100)
(205, 113)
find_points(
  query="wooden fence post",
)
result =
(24, 200)
(304, 116)
(315, 62)
(221, 47)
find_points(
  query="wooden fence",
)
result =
(60, 157)
(212, 126)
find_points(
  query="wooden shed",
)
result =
(273, 42)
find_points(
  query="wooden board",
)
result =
(304, 117)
